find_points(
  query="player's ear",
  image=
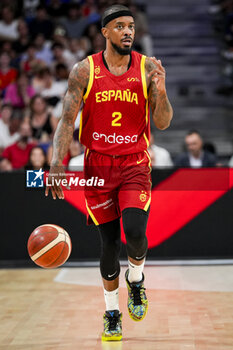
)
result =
(105, 32)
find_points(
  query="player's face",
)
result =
(121, 32)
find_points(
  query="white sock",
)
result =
(111, 299)
(135, 271)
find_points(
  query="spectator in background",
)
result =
(60, 55)
(20, 92)
(61, 75)
(143, 41)
(78, 49)
(31, 64)
(77, 160)
(6, 136)
(61, 72)
(160, 157)
(56, 9)
(44, 52)
(74, 24)
(7, 46)
(195, 156)
(90, 33)
(21, 45)
(102, 5)
(29, 9)
(8, 26)
(18, 153)
(98, 44)
(15, 6)
(37, 80)
(53, 91)
(7, 73)
(37, 159)
(42, 121)
(88, 8)
(59, 36)
(41, 23)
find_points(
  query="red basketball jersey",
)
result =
(115, 116)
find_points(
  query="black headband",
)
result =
(116, 15)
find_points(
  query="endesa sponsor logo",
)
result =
(114, 138)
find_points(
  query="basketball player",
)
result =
(116, 87)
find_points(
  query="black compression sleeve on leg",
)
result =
(110, 249)
(134, 223)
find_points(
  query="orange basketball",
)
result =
(49, 246)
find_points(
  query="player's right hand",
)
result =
(55, 177)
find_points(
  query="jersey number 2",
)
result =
(117, 116)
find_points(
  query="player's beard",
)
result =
(122, 51)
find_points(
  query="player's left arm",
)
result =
(162, 111)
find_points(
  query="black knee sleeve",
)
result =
(134, 223)
(110, 249)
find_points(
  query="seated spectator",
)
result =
(90, 33)
(98, 44)
(38, 81)
(44, 52)
(60, 55)
(56, 9)
(8, 26)
(59, 36)
(89, 8)
(195, 156)
(18, 153)
(7, 74)
(53, 91)
(21, 45)
(74, 24)
(160, 157)
(41, 23)
(20, 93)
(78, 49)
(61, 72)
(6, 137)
(77, 161)
(143, 41)
(29, 9)
(7, 46)
(37, 159)
(30, 64)
(42, 121)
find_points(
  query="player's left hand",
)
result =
(158, 75)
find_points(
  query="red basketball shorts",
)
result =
(118, 182)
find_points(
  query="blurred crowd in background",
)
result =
(222, 18)
(40, 41)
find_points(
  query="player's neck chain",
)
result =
(106, 65)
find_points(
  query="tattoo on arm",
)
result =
(77, 82)
(161, 108)
(152, 89)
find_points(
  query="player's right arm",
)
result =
(77, 83)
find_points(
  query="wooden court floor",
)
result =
(37, 313)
